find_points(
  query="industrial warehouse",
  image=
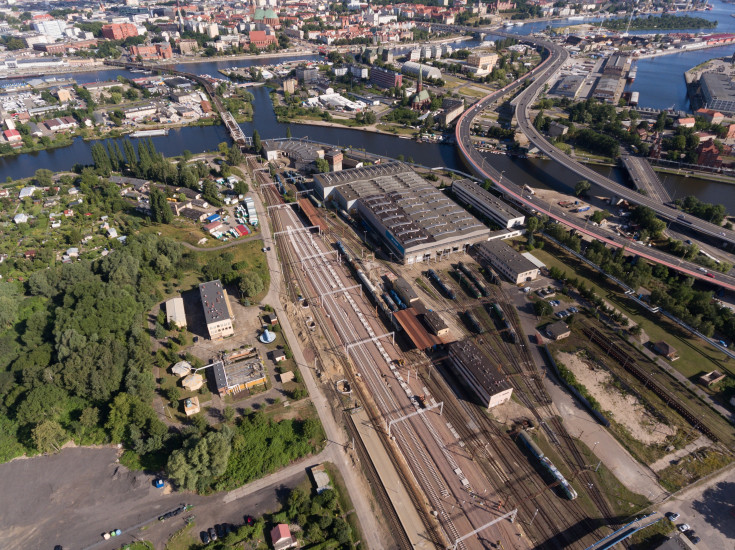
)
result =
(484, 378)
(516, 267)
(239, 375)
(487, 204)
(347, 186)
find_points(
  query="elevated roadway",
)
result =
(557, 56)
(537, 78)
(645, 178)
(518, 194)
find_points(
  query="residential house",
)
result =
(281, 537)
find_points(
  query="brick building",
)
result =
(384, 78)
(154, 51)
(119, 31)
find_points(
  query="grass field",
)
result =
(692, 467)
(395, 129)
(472, 91)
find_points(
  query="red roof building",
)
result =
(261, 39)
(12, 136)
(281, 537)
(708, 154)
(119, 31)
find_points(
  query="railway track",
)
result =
(558, 523)
(552, 424)
(412, 446)
(400, 537)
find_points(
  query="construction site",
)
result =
(449, 411)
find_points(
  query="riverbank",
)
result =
(676, 50)
(61, 70)
(241, 57)
(313, 122)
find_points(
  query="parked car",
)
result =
(250, 520)
(204, 536)
(220, 530)
(212, 533)
(695, 540)
(573, 309)
(672, 516)
(684, 527)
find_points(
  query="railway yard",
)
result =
(463, 467)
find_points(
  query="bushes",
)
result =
(261, 446)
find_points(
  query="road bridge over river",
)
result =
(645, 178)
(536, 81)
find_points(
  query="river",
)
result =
(663, 80)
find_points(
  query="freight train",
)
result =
(467, 284)
(499, 311)
(345, 254)
(375, 295)
(315, 201)
(472, 276)
(397, 299)
(474, 322)
(434, 276)
(564, 486)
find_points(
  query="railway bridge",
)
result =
(236, 133)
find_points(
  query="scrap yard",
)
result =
(467, 470)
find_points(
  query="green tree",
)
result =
(322, 166)
(251, 284)
(256, 141)
(44, 178)
(228, 414)
(582, 187)
(49, 436)
(288, 132)
(542, 307)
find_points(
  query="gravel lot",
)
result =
(72, 497)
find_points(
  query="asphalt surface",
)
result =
(72, 497)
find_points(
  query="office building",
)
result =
(119, 31)
(383, 78)
(307, 75)
(718, 92)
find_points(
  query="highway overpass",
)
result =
(515, 192)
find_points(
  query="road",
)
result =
(479, 164)
(557, 56)
(707, 507)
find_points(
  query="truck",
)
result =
(583, 208)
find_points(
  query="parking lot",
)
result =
(71, 498)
